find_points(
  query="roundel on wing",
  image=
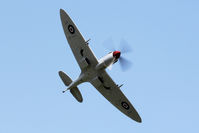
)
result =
(125, 105)
(71, 29)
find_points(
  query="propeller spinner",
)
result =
(124, 48)
(116, 54)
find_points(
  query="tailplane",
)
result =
(74, 91)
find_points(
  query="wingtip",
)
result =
(60, 73)
(80, 101)
(138, 119)
(61, 10)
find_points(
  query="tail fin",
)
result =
(74, 91)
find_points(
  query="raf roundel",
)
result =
(125, 105)
(71, 29)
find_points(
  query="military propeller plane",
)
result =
(93, 70)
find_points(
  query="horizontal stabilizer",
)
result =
(76, 93)
(66, 79)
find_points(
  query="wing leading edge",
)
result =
(114, 95)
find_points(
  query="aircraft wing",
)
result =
(107, 87)
(79, 47)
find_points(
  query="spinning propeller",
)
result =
(124, 48)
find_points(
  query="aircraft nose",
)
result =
(116, 54)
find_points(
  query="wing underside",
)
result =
(79, 47)
(106, 86)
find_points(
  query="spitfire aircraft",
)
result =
(93, 70)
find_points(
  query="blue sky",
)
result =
(162, 84)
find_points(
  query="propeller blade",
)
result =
(124, 64)
(110, 66)
(125, 47)
(109, 44)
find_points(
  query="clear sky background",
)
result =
(163, 83)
